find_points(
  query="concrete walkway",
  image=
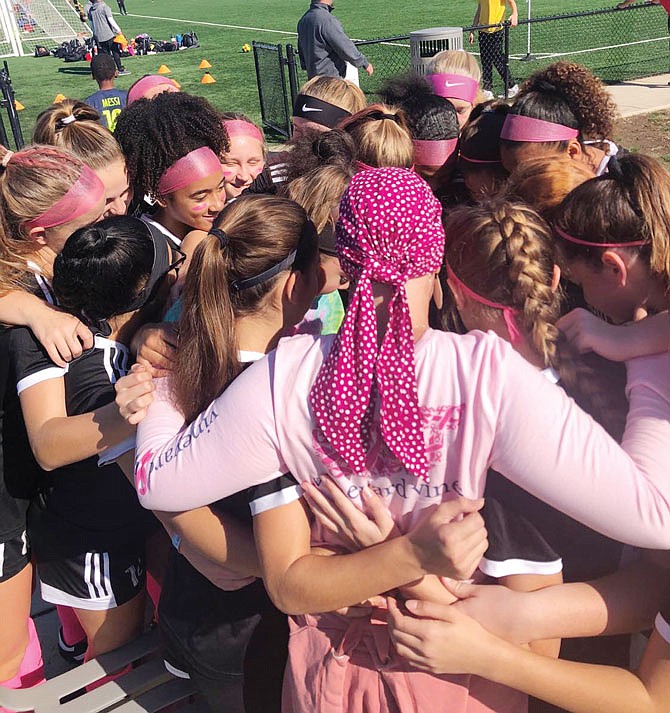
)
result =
(642, 96)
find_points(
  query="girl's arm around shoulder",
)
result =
(227, 448)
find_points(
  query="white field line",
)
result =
(239, 27)
(212, 24)
(551, 55)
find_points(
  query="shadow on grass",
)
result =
(75, 70)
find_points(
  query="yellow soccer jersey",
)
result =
(491, 12)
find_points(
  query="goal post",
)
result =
(24, 24)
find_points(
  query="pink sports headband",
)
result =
(198, 164)
(389, 231)
(509, 313)
(525, 128)
(579, 241)
(467, 159)
(433, 153)
(142, 86)
(239, 127)
(454, 86)
(84, 194)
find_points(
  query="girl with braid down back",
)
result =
(501, 273)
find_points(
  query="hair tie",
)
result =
(69, 119)
(7, 158)
(220, 235)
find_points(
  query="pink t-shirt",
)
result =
(483, 406)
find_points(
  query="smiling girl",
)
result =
(245, 158)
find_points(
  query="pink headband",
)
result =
(142, 86)
(198, 164)
(454, 86)
(525, 128)
(239, 127)
(579, 241)
(389, 231)
(84, 194)
(509, 313)
(433, 153)
(463, 157)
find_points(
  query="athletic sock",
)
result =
(31, 669)
(72, 630)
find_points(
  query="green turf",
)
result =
(37, 81)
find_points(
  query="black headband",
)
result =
(319, 111)
(159, 269)
(307, 232)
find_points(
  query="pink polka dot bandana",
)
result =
(389, 231)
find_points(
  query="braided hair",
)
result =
(157, 132)
(503, 251)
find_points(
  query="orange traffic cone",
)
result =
(59, 98)
(207, 79)
(163, 69)
(18, 106)
(205, 65)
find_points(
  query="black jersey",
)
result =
(82, 507)
(19, 472)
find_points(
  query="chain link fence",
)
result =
(617, 45)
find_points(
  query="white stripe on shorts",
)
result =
(2, 558)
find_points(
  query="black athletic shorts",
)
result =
(94, 580)
(14, 555)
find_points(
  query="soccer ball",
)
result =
(246, 48)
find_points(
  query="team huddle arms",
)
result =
(370, 418)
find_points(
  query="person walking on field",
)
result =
(324, 46)
(122, 7)
(105, 30)
(491, 39)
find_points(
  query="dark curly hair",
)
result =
(102, 268)
(319, 148)
(568, 93)
(155, 133)
(429, 117)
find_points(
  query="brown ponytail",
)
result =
(503, 251)
(75, 126)
(258, 232)
(628, 204)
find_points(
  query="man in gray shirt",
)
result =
(105, 30)
(323, 45)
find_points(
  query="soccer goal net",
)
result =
(27, 23)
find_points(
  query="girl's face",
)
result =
(242, 164)
(617, 288)
(118, 193)
(463, 109)
(197, 205)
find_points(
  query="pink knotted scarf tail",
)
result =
(194, 166)
(433, 153)
(526, 129)
(84, 194)
(454, 86)
(389, 232)
(239, 127)
(509, 313)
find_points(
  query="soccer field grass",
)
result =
(223, 26)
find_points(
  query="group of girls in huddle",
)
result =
(441, 426)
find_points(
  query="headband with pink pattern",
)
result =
(84, 194)
(454, 86)
(527, 129)
(389, 231)
(239, 127)
(433, 153)
(195, 165)
(142, 86)
(509, 313)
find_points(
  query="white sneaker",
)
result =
(511, 92)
